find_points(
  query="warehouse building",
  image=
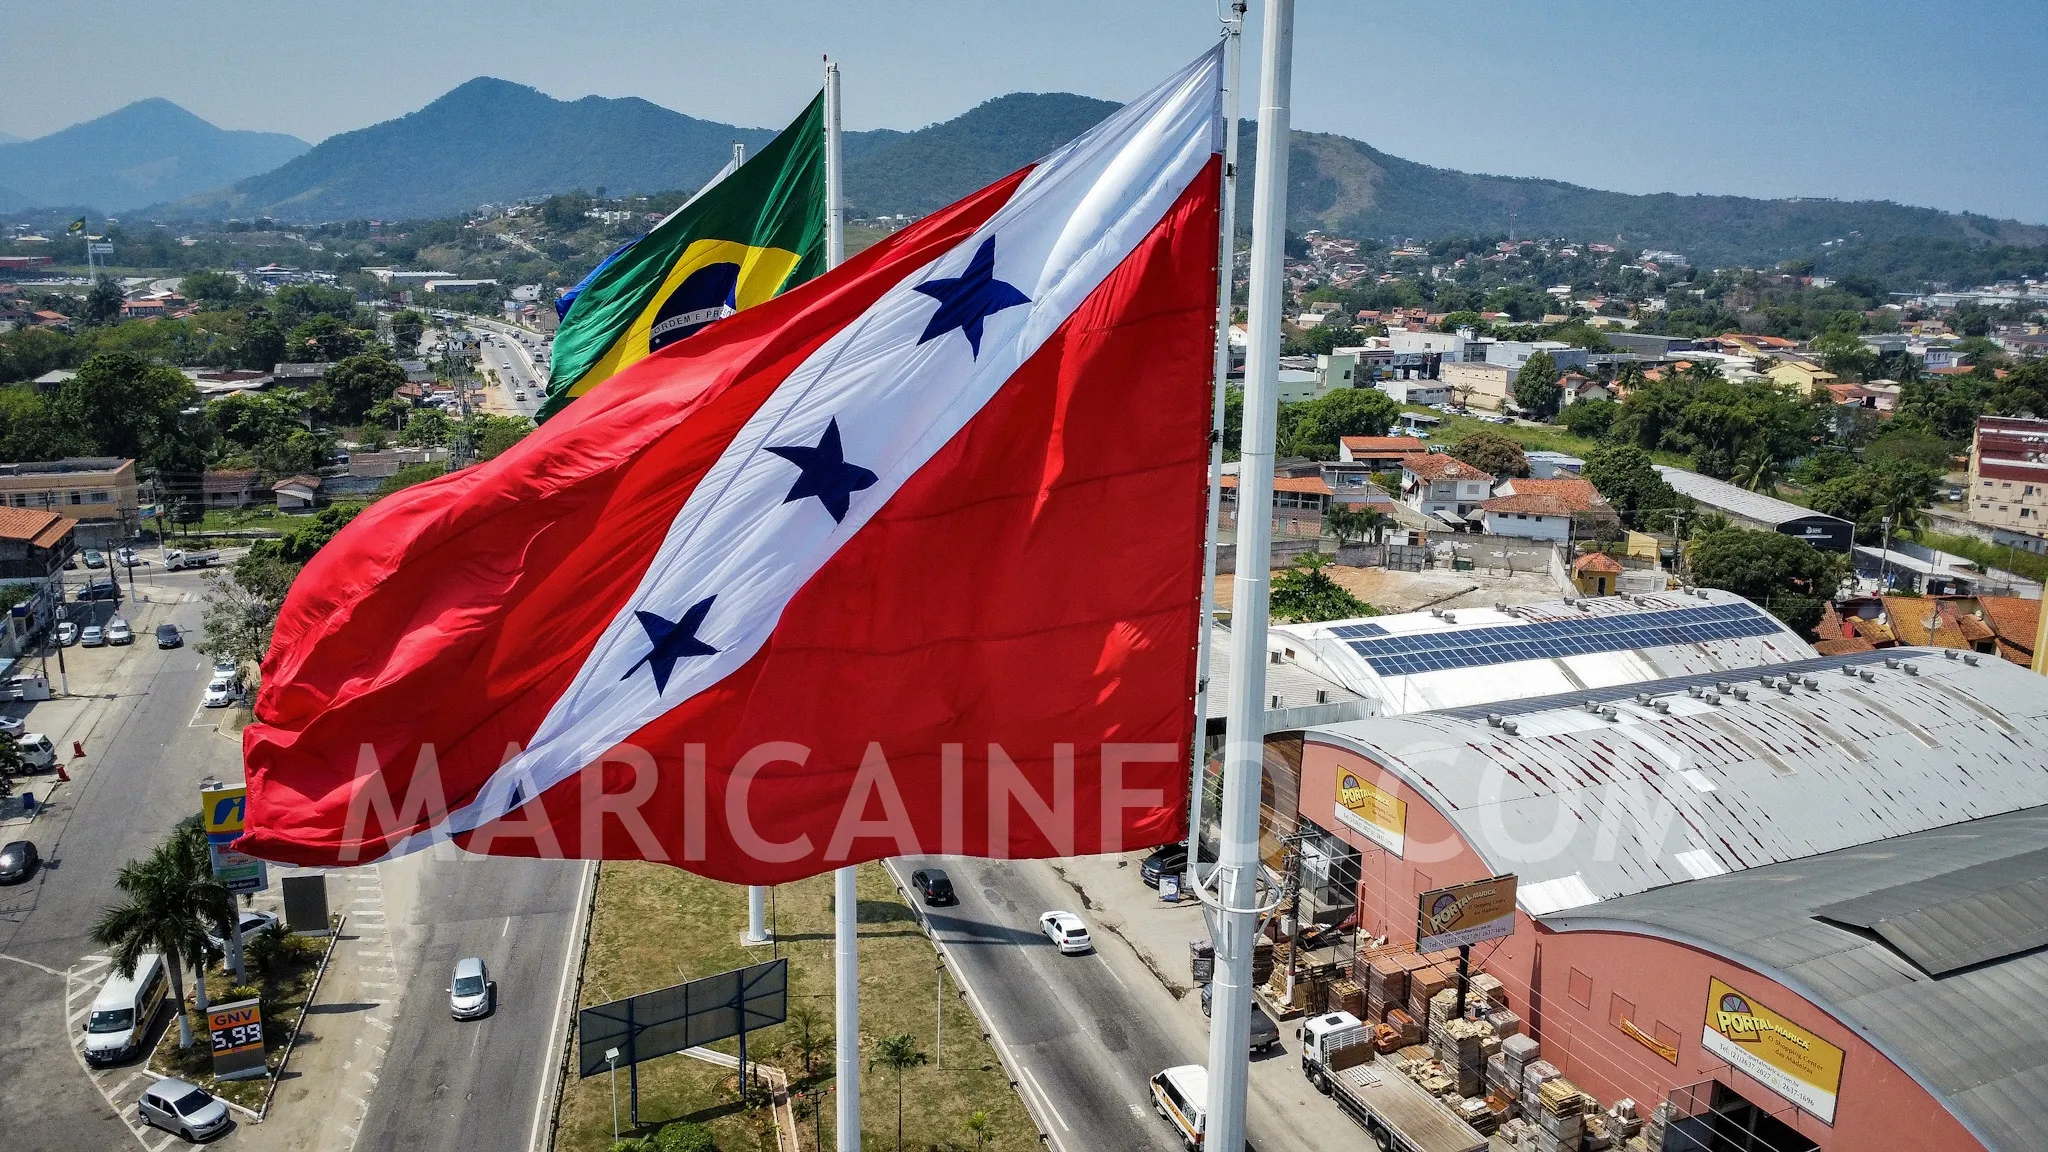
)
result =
(1763, 513)
(1806, 908)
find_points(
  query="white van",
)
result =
(123, 1011)
(1181, 1095)
(37, 753)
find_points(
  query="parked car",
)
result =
(126, 557)
(1165, 858)
(118, 1024)
(934, 886)
(92, 637)
(118, 632)
(471, 993)
(183, 1108)
(67, 634)
(168, 636)
(1265, 1035)
(221, 694)
(13, 726)
(93, 558)
(252, 923)
(18, 862)
(1067, 932)
(100, 588)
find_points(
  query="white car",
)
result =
(13, 726)
(118, 632)
(225, 667)
(250, 924)
(220, 694)
(67, 634)
(1067, 932)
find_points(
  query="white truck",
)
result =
(176, 561)
(1338, 1058)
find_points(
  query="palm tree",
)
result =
(811, 1039)
(1757, 471)
(977, 1123)
(899, 1054)
(169, 903)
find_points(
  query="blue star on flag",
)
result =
(672, 641)
(969, 298)
(825, 472)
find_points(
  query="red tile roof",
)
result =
(1312, 485)
(41, 529)
(1384, 445)
(1529, 503)
(1596, 562)
(1440, 466)
(1578, 494)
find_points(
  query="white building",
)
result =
(1417, 391)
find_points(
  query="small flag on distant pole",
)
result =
(755, 231)
(77, 226)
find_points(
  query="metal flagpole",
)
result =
(757, 915)
(1237, 868)
(845, 903)
(1233, 33)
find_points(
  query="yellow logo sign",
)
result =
(1374, 813)
(1465, 914)
(1777, 1052)
(221, 810)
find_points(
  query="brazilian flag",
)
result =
(749, 238)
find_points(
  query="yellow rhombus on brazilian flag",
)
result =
(752, 236)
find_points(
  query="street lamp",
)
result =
(611, 1059)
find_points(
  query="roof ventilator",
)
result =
(1812, 682)
(1786, 685)
(1592, 706)
(1867, 676)
(1742, 693)
(1912, 669)
(1493, 720)
(1714, 698)
(1971, 660)
(1891, 661)
(1663, 706)
(1848, 669)
(1610, 712)
(1509, 727)
(1949, 653)
(1694, 691)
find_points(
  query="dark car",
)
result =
(1265, 1035)
(103, 588)
(17, 862)
(934, 885)
(1164, 859)
(168, 636)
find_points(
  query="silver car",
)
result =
(186, 1109)
(471, 993)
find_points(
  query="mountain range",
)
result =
(491, 141)
(145, 153)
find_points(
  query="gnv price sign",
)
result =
(237, 1032)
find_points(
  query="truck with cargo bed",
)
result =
(1338, 1057)
(175, 561)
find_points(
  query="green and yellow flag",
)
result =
(77, 226)
(754, 235)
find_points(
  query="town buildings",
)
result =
(2008, 490)
(99, 492)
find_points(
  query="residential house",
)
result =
(297, 493)
(144, 309)
(1541, 509)
(1575, 387)
(98, 491)
(1421, 390)
(1442, 486)
(1298, 503)
(229, 487)
(1486, 386)
(1545, 464)
(1378, 453)
(302, 374)
(1300, 384)
(1336, 370)
(34, 543)
(1804, 376)
(2009, 475)
(2017, 621)
(1596, 574)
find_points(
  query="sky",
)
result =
(1938, 104)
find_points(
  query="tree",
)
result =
(171, 899)
(811, 1036)
(490, 435)
(1624, 475)
(29, 430)
(1845, 354)
(1589, 418)
(1536, 387)
(1347, 523)
(899, 1054)
(262, 346)
(122, 405)
(406, 329)
(295, 304)
(1314, 427)
(426, 427)
(1304, 594)
(977, 1124)
(683, 1136)
(1492, 452)
(1789, 577)
(1756, 471)
(102, 302)
(323, 339)
(352, 387)
(214, 291)
(410, 475)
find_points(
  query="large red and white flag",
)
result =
(905, 560)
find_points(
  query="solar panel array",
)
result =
(1550, 639)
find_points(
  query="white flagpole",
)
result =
(1233, 33)
(845, 901)
(1238, 865)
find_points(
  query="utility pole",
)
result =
(1237, 866)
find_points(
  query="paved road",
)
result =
(514, 362)
(150, 749)
(474, 1086)
(1086, 1031)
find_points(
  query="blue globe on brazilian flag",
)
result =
(750, 237)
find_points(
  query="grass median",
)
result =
(655, 925)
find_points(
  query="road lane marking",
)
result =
(32, 964)
(506, 928)
(572, 958)
(1044, 1097)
